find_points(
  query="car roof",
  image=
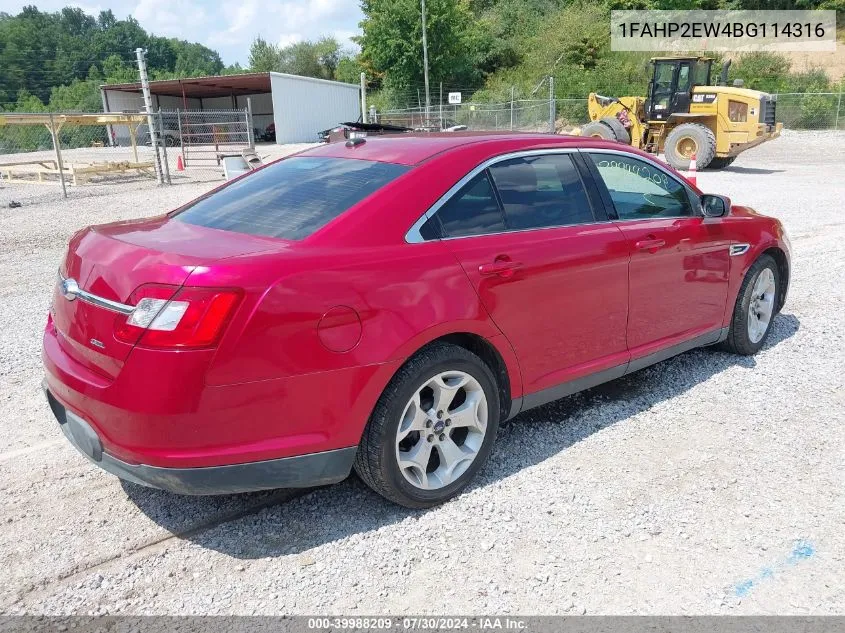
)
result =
(412, 149)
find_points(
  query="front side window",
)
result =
(541, 191)
(474, 210)
(292, 198)
(641, 191)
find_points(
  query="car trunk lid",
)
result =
(111, 261)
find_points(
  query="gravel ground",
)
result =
(706, 484)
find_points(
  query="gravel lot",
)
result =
(706, 484)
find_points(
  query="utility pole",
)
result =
(148, 106)
(551, 104)
(425, 66)
(363, 97)
(441, 106)
(512, 90)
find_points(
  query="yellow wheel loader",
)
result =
(683, 115)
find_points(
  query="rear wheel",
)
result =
(755, 309)
(598, 129)
(619, 132)
(721, 163)
(609, 129)
(432, 429)
(690, 139)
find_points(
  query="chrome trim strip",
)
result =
(70, 290)
(533, 228)
(413, 235)
(738, 249)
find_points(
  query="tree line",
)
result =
(57, 60)
(485, 48)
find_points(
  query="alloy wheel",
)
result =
(762, 304)
(442, 430)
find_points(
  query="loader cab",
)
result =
(672, 81)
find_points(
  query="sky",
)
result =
(227, 27)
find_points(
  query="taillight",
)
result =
(168, 316)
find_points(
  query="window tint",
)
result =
(639, 190)
(292, 198)
(541, 191)
(474, 210)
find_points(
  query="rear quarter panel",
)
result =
(402, 295)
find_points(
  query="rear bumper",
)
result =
(158, 410)
(303, 471)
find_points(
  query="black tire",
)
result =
(376, 462)
(619, 132)
(598, 129)
(738, 341)
(705, 145)
(721, 163)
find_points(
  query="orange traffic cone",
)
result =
(180, 166)
(691, 173)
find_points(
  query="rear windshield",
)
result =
(292, 198)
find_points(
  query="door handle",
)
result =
(500, 267)
(650, 244)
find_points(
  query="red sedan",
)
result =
(385, 303)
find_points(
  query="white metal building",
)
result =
(299, 106)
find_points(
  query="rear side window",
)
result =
(474, 210)
(292, 198)
(541, 191)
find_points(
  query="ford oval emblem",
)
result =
(70, 289)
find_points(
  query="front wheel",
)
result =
(432, 429)
(721, 163)
(688, 140)
(755, 309)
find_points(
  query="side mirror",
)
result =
(713, 206)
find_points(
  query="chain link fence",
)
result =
(525, 115)
(797, 111)
(202, 138)
(74, 149)
(811, 110)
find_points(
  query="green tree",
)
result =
(348, 70)
(116, 71)
(392, 41)
(233, 69)
(263, 56)
(300, 58)
(78, 96)
(28, 102)
(195, 60)
(41, 51)
(319, 58)
(328, 53)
